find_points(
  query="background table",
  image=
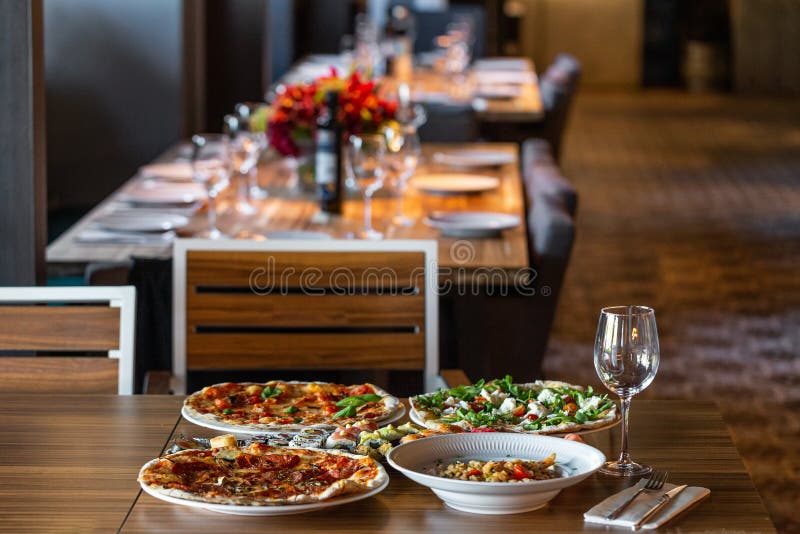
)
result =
(687, 438)
(286, 209)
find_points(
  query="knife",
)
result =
(660, 503)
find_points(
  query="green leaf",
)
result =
(349, 411)
(298, 419)
(290, 409)
(227, 411)
(358, 400)
(269, 392)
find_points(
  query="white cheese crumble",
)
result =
(494, 397)
(507, 406)
(592, 403)
(547, 397)
(537, 408)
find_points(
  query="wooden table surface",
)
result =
(287, 209)
(687, 438)
(69, 462)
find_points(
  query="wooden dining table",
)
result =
(290, 208)
(70, 463)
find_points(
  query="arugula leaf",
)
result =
(269, 392)
(290, 409)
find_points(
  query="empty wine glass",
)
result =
(626, 357)
(211, 166)
(402, 157)
(253, 126)
(366, 159)
(242, 158)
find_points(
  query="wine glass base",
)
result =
(258, 193)
(210, 234)
(370, 234)
(402, 220)
(631, 469)
(245, 208)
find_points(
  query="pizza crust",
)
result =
(392, 406)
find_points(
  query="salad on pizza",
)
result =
(541, 407)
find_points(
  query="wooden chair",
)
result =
(312, 305)
(86, 319)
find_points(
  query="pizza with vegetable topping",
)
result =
(248, 407)
(260, 475)
(541, 407)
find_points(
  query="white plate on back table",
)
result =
(141, 222)
(151, 192)
(455, 184)
(472, 223)
(474, 158)
(178, 171)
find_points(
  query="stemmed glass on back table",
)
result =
(626, 357)
(402, 157)
(367, 159)
(211, 166)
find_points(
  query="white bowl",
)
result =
(416, 458)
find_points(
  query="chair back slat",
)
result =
(308, 308)
(59, 375)
(64, 328)
(68, 321)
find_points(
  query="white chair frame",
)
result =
(122, 297)
(182, 246)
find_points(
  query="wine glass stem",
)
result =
(244, 189)
(625, 407)
(212, 214)
(367, 211)
(401, 190)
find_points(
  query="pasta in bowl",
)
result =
(495, 473)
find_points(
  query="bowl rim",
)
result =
(434, 481)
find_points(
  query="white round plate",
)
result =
(141, 222)
(244, 431)
(416, 459)
(455, 184)
(497, 92)
(472, 223)
(152, 192)
(284, 509)
(179, 171)
(474, 158)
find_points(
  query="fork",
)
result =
(655, 482)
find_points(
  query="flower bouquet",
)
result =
(293, 115)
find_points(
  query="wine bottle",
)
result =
(327, 162)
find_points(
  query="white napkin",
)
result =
(642, 504)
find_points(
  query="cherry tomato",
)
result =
(519, 411)
(329, 409)
(532, 417)
(520, 472)
(474, 473)
(571, 408)
(363, 389)
(255, 399)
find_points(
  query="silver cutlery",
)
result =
(655, 482)
(660, 503)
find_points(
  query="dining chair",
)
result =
(57, 323)
(310, 305)
(497, 333)
(558, 87)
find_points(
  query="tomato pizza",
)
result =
(260, 475)
(249, 407)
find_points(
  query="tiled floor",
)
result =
(691, 204)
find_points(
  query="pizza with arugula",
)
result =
(541, 407)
